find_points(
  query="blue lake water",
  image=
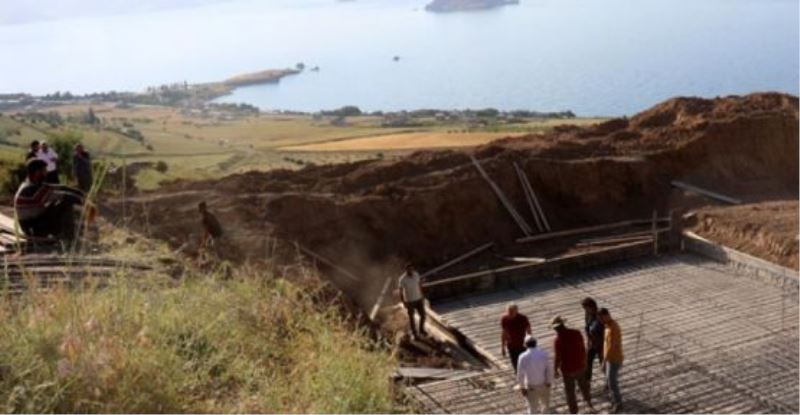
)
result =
(607, 57)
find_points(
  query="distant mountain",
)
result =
(442, 6)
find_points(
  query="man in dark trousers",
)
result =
(413, 299)
(594, 336)
(212, 230)
(515, 326)
(46, 209)
(82, 168)
(571, 363)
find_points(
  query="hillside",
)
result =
(433, 205)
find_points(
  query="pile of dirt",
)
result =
(430, 206)
(767, 230)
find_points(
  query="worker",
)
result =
(82, 168)
(594, 336)
(212, 230)
(515, 326)
(46, 209)
(50, 157)
(534, 377)
(570, 363)
(411, 295)
(33, 152)
(612, 357)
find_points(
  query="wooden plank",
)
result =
(328, 262)
(458, 259)
(7, 224)
(528, 197)
(588, 229)
(526, 229)
(538, 206)
(379, 302)
(704, 192)
(529, 265)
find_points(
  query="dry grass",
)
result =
(408, 141)
(253, 343)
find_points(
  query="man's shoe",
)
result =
(615, 408)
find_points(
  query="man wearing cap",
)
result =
(534, 377)
(515, 326)
(570, 363)
(612, 357)
(410, 284)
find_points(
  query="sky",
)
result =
(26, 11)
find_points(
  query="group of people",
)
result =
(81, 163)
(45, 208)
(573, 360)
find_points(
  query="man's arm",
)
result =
(69, 194)
(528, 326)
(557, 360)
(503, 340)
(402, 291)
(521, 371)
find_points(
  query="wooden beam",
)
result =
(327, 262)
(458, 259)
(704, 192)
(379, 302)
(536, 203)
(528, 265)
(526, 229)
(588, 229)
(528, 197)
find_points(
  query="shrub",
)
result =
(251, 344)
(162, 166)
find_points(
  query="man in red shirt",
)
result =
(571, 363)
(515, 326)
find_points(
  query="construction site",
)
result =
(682, 220)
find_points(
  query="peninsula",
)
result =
(444, 6)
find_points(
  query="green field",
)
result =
(197, 145)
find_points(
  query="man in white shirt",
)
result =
(50, 157)
(534, 377)
(410, 284)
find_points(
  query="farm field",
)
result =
(198, 144)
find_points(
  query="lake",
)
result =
(608, 57)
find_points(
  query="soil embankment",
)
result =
(433, 205)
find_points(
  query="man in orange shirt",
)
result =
(612, 357)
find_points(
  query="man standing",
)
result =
(212, 230)
(612, 357)
(571, 363)
(594, 336)
(534, 377)
(82, 168)
(50, 157)
(33, 152)
(411, 295)
(515, 326)
(45, 209)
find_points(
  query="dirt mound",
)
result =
(433, 205)
(766, 230)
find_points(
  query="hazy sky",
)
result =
(23, 11)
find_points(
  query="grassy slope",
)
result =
(253, 344)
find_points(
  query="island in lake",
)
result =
(443, 6)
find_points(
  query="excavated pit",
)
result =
(431, 206)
